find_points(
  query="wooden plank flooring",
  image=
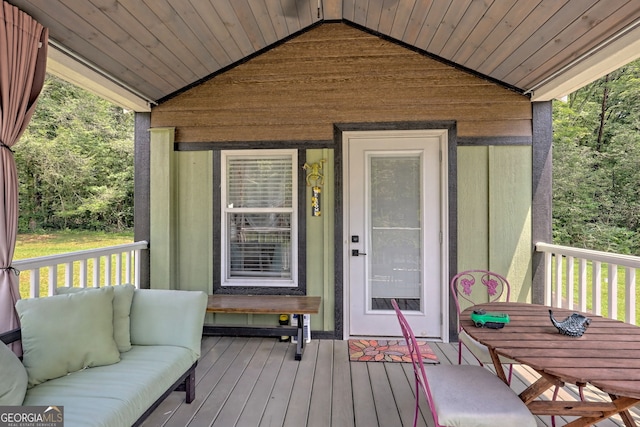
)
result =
(248, 382)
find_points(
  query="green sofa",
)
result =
(108, 356)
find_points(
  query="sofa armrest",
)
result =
(168, 317)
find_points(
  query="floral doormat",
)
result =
(387, 351)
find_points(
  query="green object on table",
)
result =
(489, 319)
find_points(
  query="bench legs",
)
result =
(300, 345)
(190, 386)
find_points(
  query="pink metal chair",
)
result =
(490, 287)
(463, 395)
(471, 287)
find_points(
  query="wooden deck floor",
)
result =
(248, 382)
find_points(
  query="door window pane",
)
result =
(396, 232)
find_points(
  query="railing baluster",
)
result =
(570, 269)
(119, 269)
(547, 278)
(68, 274)
(136, 279)
(83, 273)
(630, 295)
(612, 289)
(582, 283)
(596, 289)
(96, 272)
(34, 282)
(107, 270)
(128, 266)
(558, 281)
(53, 279)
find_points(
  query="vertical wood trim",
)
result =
(141, 209)
(161, 217)
(542, 180)
(328, 220)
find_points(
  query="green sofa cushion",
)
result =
(122, 297)
(168, 317)
(116, 395)
(13, 385)
(66, 333)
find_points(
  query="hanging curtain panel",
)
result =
(23, 57)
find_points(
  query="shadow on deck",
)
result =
(249, 382)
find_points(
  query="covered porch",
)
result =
(257, 382)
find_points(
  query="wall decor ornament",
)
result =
(315, 179)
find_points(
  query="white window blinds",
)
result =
(259, 215)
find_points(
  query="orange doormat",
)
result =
(387, 351)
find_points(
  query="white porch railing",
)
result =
(574, 279)
(112, 265)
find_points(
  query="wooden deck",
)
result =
(248, 382)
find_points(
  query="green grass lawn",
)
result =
(38, 245)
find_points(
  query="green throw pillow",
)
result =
(122, 297)
(13, 385)
(66, 333)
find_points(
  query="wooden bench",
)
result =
(263, 304)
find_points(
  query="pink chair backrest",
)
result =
(493, 284)
(416, 360)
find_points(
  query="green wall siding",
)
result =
(194, 221)
(494, 213)
(182, 229)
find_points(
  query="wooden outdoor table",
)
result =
(263, 304)
(607, 356)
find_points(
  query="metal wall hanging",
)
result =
(315, 179)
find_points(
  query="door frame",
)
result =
(448, 210)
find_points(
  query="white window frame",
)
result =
(225, 279)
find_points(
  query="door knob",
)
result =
(356, 252)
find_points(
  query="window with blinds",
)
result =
(259, 215)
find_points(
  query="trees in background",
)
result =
(596, 164)
(75, 162)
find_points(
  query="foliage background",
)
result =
(596, 164)
(75, 163)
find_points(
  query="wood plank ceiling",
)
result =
(157, 48)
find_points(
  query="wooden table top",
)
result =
(606, 356)
(264, 304)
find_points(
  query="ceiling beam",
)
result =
(593, 66)
(67, 68)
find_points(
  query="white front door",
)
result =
(395, 216)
